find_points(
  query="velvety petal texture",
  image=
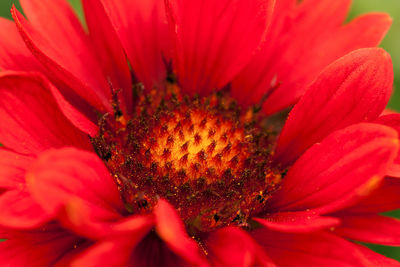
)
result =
(34, 123)
(78, 119)
(76, 186)
(331, 170)
(118, 249)
(38, 248)
(51, 25)
(210, 52)
(234, 247)
(372, 27)
(319, 248)
(12, 169)
(109, 52)
(353, 89)
(19, 210)
(306, 221)
(149, 48)
(382, 199)
(15, 55)
(392, 120)
(170, 229)
(274, 72)
(379, 229)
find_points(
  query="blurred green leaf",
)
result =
(5, 7)
(76, 4)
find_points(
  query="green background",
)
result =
(391, 43)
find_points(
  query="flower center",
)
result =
(208, 158)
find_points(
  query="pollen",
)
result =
(205, 155)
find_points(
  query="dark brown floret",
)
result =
(207, 157)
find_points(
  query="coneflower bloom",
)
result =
(160, 135)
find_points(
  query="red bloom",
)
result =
(110, 164)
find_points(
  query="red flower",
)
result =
(97, 170)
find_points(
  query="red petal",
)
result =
(4, 233)
(132, 225)
(19, 210)
(79, 120)
(150, 41)
(340, 166)
(371, 229)
(74, 116)
(376, 259)
(385, 198)
(154, 252)
(313, 28)
(234, 247)
(312, 249)
(369, 29)
(297, 222)
(17, 57)
(41, 248)
(34, 120)
(12, 169)
(118, 250)
(388, 111)
(295, 32)
(353, 89)
(331, 14)
(171, 229)
(91, 220)
(76, 186)
(392, 120)
(13, 51)
(215, 39)
(250, 85)
(109, 50)
(53, 27)
(107, 253)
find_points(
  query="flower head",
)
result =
(163, 136)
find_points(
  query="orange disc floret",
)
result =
(208, 158)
